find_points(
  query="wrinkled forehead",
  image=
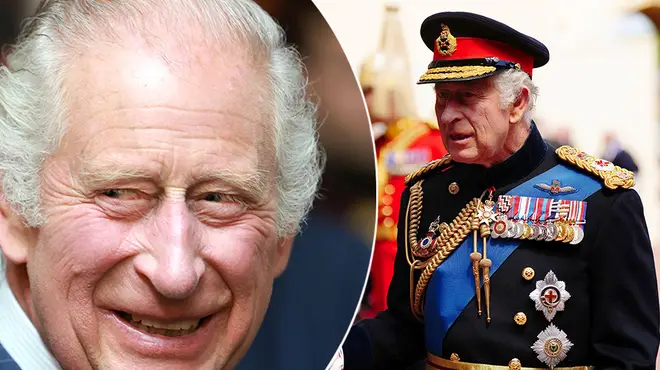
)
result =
(197, 76)
(195, 89)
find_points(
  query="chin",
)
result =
(468, 155)
(139, 363)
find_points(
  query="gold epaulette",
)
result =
(613, 176)
(431, 166)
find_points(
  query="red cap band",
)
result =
(470, 47)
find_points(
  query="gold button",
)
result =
(453, 188)
(388, 222)
(389, 189)
(454, 357)
(387, 211)
(387, 200)
(520, 318)
(515, 364)
(528, 273)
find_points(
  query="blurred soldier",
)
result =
(403, 144)
(615, 153)
(512, 254)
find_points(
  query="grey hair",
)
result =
(33, 116)
(510, 83)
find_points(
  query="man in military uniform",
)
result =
(511, 254)
(403, 144)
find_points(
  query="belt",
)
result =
(437, 363)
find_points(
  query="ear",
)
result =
(519, 106)
(283, 253)
(15, 238)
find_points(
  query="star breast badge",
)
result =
(550, 295)
(555, 188)
(552, 346)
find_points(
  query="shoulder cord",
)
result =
(449, 239)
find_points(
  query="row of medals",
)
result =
(559, 231)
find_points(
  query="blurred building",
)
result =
(404, 143)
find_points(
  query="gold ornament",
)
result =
(613, 176)
(445, 44)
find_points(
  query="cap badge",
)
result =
(446, 42)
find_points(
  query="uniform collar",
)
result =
(518, 165)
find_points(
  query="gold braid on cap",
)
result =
(613, 176)
(436, 163)
(455, 72)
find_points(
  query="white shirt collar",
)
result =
(17, 334)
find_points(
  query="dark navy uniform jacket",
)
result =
(6, 362)
(612, 316)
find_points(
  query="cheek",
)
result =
(244, 255)
(485, 125)
(80, 243)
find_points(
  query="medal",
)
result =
(499, 227)
(550, 295)
(528, 231)
(426, 242)
(552, 346)
(570, 233)
(561, 231)
(552, 230)
(543, 233)
(427, 246)
(510, 229)
(519, 230)
(539, 219)
(535, 232)
(579, 235)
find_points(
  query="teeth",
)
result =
(173, 326)
(164, 332)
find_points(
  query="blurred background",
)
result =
(599, 92)
(315, 300)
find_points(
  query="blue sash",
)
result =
(452, 286)
(6, 362)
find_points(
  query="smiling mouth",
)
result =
(458, 137)
(168, 329)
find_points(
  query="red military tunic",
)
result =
(407, 145)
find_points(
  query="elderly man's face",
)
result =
(473, 125)
(160, 247)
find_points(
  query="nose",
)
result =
(171, 262)
(447, 111)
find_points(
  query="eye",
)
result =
(214, 197)
(124, 194)
(124, 204)
(443, 95)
